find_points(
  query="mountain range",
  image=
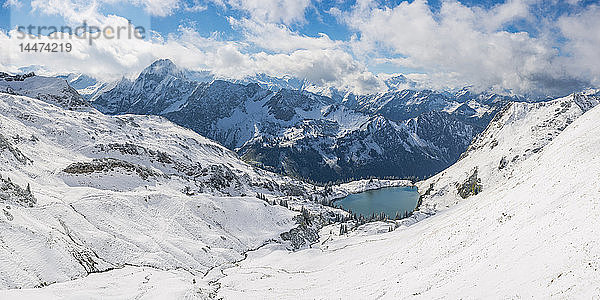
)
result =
(294, 132)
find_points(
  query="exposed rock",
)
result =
(5, 144)
(110, 164)
(13, 193)
(472, 186)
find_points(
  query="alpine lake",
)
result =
(391, 200)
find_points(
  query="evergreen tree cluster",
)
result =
(343, 229)
(282, 202)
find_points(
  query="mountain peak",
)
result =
(163, 62)
(163, 67)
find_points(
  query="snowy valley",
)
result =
(134, 206)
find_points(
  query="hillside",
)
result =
(48, 89)
(526, 233)
(83, 193)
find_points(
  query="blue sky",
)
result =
(318, 20)
(516, 45)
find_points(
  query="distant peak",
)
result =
(163, 62)
(163, 67)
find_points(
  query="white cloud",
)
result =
(110, 59)
(163, 7)
(197, 6)
(462, 45)
(278, 37)
(453, 47)
(77, 11)
(72, 12)
(583, 47)
(503, 13)
(12, 3)
(269, 47)
(278, 11)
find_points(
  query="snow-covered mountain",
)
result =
(85, 85)
(389, 82)
(518, 132)
(49, 89)
(133, 206)
(479, 109)
(84, 193)
(514, 218)
(299, 133)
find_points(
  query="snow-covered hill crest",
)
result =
(49, 89)
(519, 131)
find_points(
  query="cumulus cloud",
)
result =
(164, 7)
(77, 11)
(461, 45)
(12, 3)
(104, 58)
(268, 46)
(71, 11)
(582, 32)
(453, 47)
(278, 37)
(111, 58)
(196, 6)
(329, 66)
(279, 11)
(502, 13)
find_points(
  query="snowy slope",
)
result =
(126, 283)
(82, 192)
(49, 89)
(529, 233)
(516, 133)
